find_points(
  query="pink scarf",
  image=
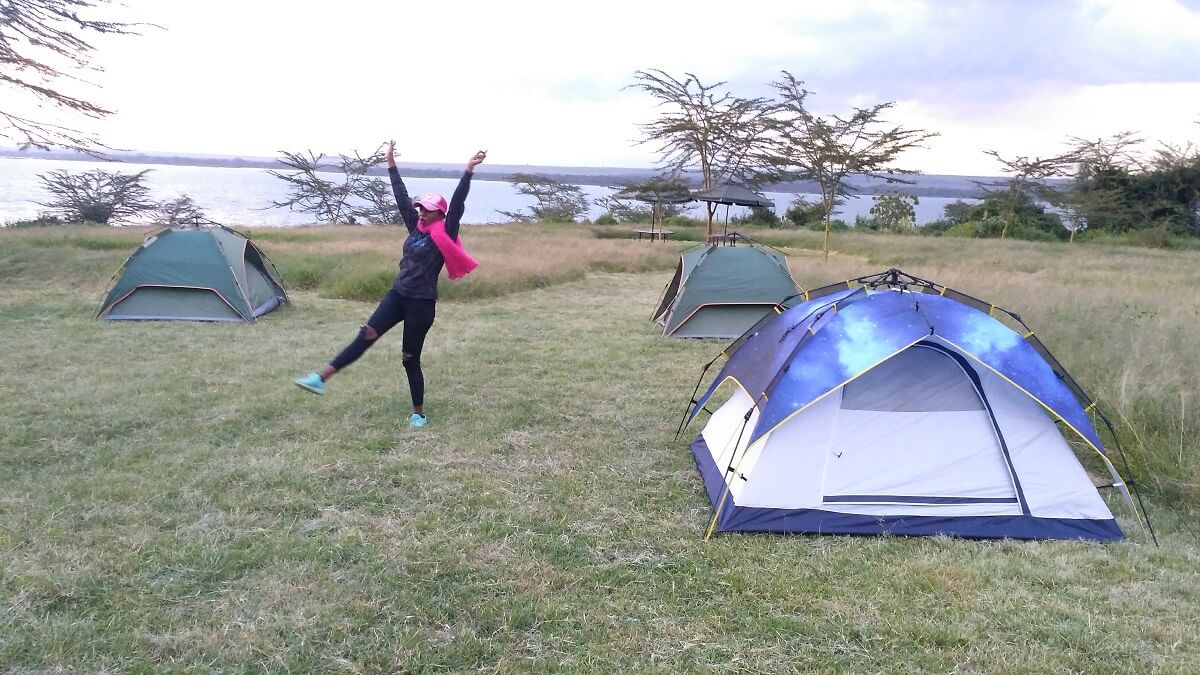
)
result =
(458, 262)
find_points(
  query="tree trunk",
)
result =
(825, 248)
(709, 208)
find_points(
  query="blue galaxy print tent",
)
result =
(890, 404)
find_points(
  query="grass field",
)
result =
(170, 502)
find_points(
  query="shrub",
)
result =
(43, 220)
(759, 216)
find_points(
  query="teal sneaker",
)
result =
(311, 382)
(417, 420)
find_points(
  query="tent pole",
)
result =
(1129, 474)
(683, 422)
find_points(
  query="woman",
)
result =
(432, 241)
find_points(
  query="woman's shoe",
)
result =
(311, 382)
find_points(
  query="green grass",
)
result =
(170, 502)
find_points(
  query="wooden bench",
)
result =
(654, 234)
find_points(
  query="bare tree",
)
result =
(555, 202)
(722, 137)
(96, 196)
(329, 200)
(34, 36)
(829, 149)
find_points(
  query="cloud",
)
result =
(540, 83)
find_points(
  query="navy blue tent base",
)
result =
(817, 521)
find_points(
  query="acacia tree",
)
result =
(1173, 186)
(1099, 193)
(553, 201)
(40, 42)
(829, 149)
(331, 201)
(375, 203)
(1117, 189)
(1030, 180)
(96, 196)
(721, 137)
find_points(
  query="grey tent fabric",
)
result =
(918, 379)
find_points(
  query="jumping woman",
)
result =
(432, 241)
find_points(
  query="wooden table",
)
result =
(654, 234)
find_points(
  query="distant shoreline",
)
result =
(925, 185)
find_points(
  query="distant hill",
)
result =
(923, 185)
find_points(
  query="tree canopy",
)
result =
(42, 49)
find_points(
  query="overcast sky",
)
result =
(544, 82)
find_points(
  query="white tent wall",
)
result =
(798, 463)
(722, 432)
(789, 471)
(877, 455)
(1054, 483)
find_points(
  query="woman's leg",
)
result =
(389, 312)
(418, 319)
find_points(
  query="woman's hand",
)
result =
(476, 161)
(390, 153)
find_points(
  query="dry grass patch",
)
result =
(169, 501)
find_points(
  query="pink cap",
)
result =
(431, 202)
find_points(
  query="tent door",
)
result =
(916, 430)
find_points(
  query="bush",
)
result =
(865, 224)
(1158, 236)
(759, 216)
(43, 220)
(967, 229)
(687, 221)
(936, 228)
(179, 211)
(803, 213)
(606, 219)
(835, 225)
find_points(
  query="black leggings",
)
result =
(417, 316)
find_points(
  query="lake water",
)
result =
(239, 197)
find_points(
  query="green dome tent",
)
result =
(720, 291)
(194, 274)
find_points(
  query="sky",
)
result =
(546, 83)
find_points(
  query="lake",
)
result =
(239, 196)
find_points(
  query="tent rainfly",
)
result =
(194, 274)
(720, 291)
(897, 406)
